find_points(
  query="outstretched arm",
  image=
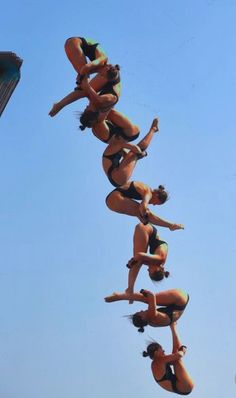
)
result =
(133, 273)
(150, 259)
(153, 219)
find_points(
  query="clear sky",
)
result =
(62, 250)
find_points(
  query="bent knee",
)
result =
(110, 202)
(141, 228)
(190, 386)
(134, 130)
(183, 296)
(71, 43)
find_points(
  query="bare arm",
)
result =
(173, 357)
(97, 100)
(146, 194)
(133, 273)
(149, 259)
(153, 219)
(151, 301)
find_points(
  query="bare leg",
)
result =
(123, 172)
(96, 83)
(118, 203)
(77, 58)
(141, 238)
(140, 244)
(75, 53)
(68, 99)
(184, 382)
(173, 296)
(122, 121)
(115, 201)
(145, 142)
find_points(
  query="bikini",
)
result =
(169, 309)
(116, 130)
(170, 376)
(108, 88)
(154, 242)
(115, 161)
(130, 192)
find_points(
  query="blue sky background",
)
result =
(62, 250)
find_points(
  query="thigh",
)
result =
(183, 379)
(171, 297)
(122, 121)
(75, 53)
(118, 203)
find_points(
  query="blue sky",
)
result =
(62, 250)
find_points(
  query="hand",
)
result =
(131, 263)
(146, 293)
(135, 149)
(173, 227)
(144, 218)
(84, 70)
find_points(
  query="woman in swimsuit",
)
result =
(116, 124)
(101, 103)
(173, 303)
(146, 236)
(176, 380)
(78, 50)
(117, 163)
(124, 200)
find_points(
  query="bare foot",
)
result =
(111, 298)
(154, 125)
(55, 109)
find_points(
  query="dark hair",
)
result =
(161, 193)
(151, 348)
(159, 275)
(113, 73)
(87, 118)
(138, 322)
